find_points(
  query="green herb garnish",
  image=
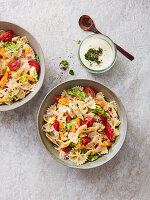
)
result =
(78, 93)
(11, 46)
(71, 72)
(98, 110)
(93, 55)
(92, 158)
(83, 151)
(77, 41)
(37, 59)
(64, 63)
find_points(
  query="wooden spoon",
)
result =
(87, 24)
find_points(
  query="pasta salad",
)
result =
(19, 67)
(81, 125)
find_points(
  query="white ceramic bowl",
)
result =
(109, 95)
(18, 31)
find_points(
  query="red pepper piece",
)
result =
(86, 140)
(107, 130)
(68, 118)
(66, 149)
(56, 125)
(7, 37)
(89, 91)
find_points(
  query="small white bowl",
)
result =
(97, 87)
(18, 31)
(109, 42)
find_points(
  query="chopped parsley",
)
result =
(37, 59)
(93, 55)
(64, 63)
(11, 46)
(71, 72)
(77, 41)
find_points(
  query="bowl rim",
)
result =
(102, 70)
(17, 104)
(60, 160)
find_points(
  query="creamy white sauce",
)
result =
(106, 58)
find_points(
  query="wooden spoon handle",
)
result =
(125, 53)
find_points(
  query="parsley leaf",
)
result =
(37, 59)
(64, 63)
(71, 72)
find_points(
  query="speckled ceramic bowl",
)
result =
(35, 45)
(109, 95)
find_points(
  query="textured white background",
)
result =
(27, 172)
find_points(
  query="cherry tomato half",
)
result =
(7, 37)
(89, 91)
(66, 149)
(86, 140)
(56, 125)
(15, 65)
(32, 63)
(68, 118)
(57, 98)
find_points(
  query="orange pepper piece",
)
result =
(63, 101)
(3, 80)
(78, 121)
(30, 78)
(106, 143)
(3, 50)
(100, 103)
(27, 51)
(80, 148)
(61, 126)
(73, 128)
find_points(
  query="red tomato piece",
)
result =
(86, 140)
(32, 63)
(7, 37)
(68, 118)
(88, 121)
(56, 125)
(15, 65)
(66, 149)
(57, 98)
(89, 91)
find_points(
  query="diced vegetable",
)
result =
(57, 98)
(63, 101)
(107, 130)
(3, 80)
(3, 50)
(89, 91)
(98, 110)
(86, 140)
(37, 59)
(100, 103)
(78, 93)
(106, 143)
(32, 63)
(66, 149)
(33, 73)
(83, 151)
(71, 72)
(68, 118)
(61, 126)
(78, 121)
(27, 51)
(15, 65)
(92, 158)
(73, 127)
(30, 78)
(88, 121)
(11, 46)
(64, 63)
(7, 36)
(56, 125)
(70, 123)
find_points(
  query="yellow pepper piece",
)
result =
(106, 143)
(78, 121)
(3, 80)
(63, 137)
(61, 126)
(27, 51)
(3, 50)
(63, 101)
(30, 78)
(73, 128)
(100, 103)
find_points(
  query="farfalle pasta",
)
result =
(81, 125)
(19, 67)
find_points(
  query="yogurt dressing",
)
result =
(96, 42)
